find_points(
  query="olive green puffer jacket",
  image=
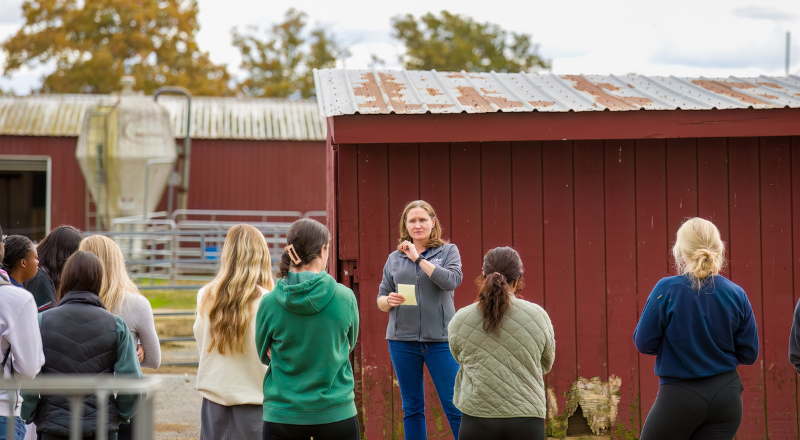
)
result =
(501, 375)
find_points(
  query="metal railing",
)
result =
(182, 249)
(176, 338)
(79, 387)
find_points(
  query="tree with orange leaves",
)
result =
(93, 43)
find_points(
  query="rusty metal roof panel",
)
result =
(343, 92)
(212, 118)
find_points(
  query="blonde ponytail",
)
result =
(700, 242)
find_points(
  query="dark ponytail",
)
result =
(16, 249)
(501, 268)
(307, 236)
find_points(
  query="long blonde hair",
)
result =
(700, 241)
(116, 282)
(244, 267)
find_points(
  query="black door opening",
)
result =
(23, 203)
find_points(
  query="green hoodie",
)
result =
(311, 324)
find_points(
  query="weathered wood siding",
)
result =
(594, 222)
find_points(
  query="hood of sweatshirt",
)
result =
(307, 297)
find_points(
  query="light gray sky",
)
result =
(713, 38)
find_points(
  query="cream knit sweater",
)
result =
(501, 375)
(232, 378)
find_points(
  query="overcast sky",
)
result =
(713, 38)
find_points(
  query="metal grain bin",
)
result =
(118, 139)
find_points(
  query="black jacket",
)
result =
(43, 290)
(79, 337)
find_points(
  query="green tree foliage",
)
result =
(282, 64)
(452, 42)
(93, 43)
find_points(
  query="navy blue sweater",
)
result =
(697, 334)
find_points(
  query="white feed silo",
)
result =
(117, 139)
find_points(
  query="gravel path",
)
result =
(178, 407)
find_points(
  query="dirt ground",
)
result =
(177, 401)
(178, 407)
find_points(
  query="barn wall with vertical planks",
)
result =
(594, 222)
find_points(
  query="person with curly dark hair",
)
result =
(21, 354)
(20, 260)
(53, 250)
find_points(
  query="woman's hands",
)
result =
(386, 303)
(411, 252)
(395, 299)
(409, 249)
(140, 353)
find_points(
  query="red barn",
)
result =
(588, 177)
(247, 154)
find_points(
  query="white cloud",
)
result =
(680, 37)
(754, 12)
(11, 12)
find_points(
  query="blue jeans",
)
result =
(19, 428)
(408, 359)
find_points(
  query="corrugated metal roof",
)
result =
(347, 92)
(212, 118)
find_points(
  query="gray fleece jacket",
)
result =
(427, 321)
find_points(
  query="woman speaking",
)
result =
(417, 292)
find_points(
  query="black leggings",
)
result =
(125, 431)
(517, 428)
(346, 429)
(696, 409)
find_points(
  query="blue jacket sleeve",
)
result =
(127, 365)
(650, 329)
(745, 340)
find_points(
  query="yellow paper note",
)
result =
(409, 292)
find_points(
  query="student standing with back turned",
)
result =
(700, 326)
(21, 353)
(81, 337)
(122, 298)
(305, 331)
(230, 373)
(53, 252)
(505, 346)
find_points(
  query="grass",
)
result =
(167, 298)
(171, 299)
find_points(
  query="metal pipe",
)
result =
(187, 141)
(788, 50)
(159, 160)
(102, 415)
(144, 424)
(79, 387)
(76, 414)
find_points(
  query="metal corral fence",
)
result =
(102, 386)
(181, 250)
